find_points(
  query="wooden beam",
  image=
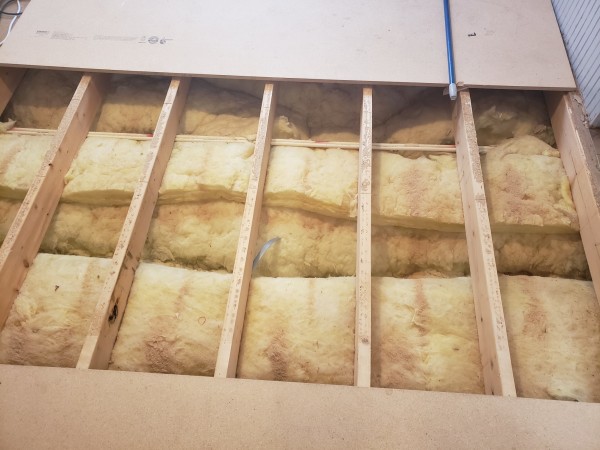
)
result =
(29, 227)
(231, 335)
(582, 165)
(9, 81)
(493, 341)
(110, 308)
(362, 328)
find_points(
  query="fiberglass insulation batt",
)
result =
(304, 111)
(527, 185)
(418, 219)
(302, 329)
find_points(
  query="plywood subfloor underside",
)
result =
(70, 408)
(501, 44)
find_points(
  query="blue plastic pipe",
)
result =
(263, 250)
(452, 86)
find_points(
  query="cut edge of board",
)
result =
(277, 80)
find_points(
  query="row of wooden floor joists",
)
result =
(23, 240)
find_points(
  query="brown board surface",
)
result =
(43, 407)
(505, 43)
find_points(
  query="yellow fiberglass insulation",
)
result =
(404, 114)
(42, 98)
(205, 236)
(424, 331)
(305, 110)
(527, 187)
(133, 105)
(21, 157)
(553, 326)
(299, 324)
(49, 319)
(527, 191)
(173, 321)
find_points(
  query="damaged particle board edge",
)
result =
(110, 308)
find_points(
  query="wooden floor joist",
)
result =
(491, 327)
(233, 323)
(581, 163)
(29, 227)
(111, 305)
(362, 329)
(9, 81)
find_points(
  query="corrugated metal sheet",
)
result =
(579, 22)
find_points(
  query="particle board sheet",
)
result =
(302, 329)
(502, 44)
(43, 407)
